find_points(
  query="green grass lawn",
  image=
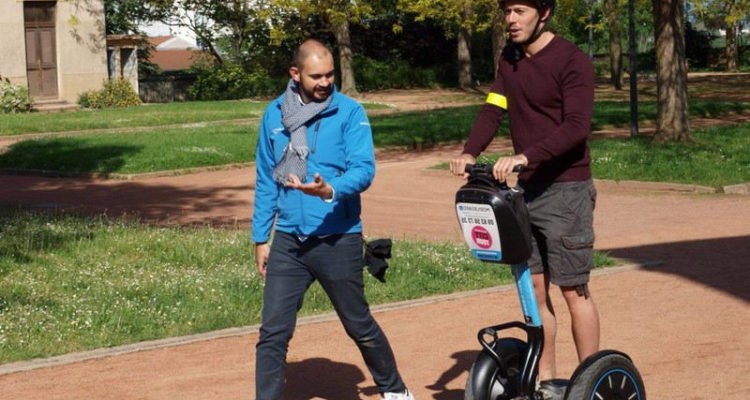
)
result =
(616, 114)
(146, 115)
(720, 156)
(426, 128)
(130, 153)
(212, 145)
(72, 283)
(142, 116)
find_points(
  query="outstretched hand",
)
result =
(318, 187)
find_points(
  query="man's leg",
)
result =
(547, 369)
(584, 320)
(337, 264)
(562, 220)
(287, 279)
(576, 262)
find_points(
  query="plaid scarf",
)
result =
(294, 116)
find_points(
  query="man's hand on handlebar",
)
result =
(458, 165)
(505, 165)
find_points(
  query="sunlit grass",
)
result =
(73, 283)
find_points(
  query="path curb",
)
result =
(742, 188)
(22, 366)
(660, 186)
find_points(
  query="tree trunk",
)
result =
(464, 58)
(731, 50)
(464, 48)
(498, 38)
(671, 75)
(341, 31)
(615, 42)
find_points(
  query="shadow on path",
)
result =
(324, 379)
(156, 201)
(463, 361)
(721, 263)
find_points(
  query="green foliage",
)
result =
(453, 14)
(13, 98)
(123, 16)
(116, 93)
(376, 75)
(231, 81)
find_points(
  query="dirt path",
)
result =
(684, 322)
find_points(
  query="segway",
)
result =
(495, 225)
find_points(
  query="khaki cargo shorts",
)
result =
(562, 221)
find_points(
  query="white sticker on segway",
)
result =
(480, 230)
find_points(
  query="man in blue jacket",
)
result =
(314, 158)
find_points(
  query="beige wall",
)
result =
(80, 39)
(12, 45)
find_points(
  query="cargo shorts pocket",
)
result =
(577, 253)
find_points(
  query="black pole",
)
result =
(633, 70)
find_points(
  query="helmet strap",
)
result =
(537, 32)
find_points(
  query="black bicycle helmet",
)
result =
(540, 5)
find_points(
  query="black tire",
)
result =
(606, 375)
(485, 382)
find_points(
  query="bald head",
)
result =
(310, 48)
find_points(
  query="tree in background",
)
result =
(499, 37)
(459, 18)
(230, 30)
(726, 14)
(612, 13)
(671, 73)
(338, 15)
(123, 16)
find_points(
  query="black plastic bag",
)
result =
(376, 253)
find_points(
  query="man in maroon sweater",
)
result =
(546, 86)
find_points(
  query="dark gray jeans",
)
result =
(293, 265)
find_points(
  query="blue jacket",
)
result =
(341, 151)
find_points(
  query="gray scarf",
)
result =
(294, 116)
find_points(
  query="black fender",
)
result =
(488, 380)
(592, 359)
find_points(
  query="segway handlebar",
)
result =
(486, 168)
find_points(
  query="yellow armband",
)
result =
(497, 99)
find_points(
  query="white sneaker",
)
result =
(405, 395)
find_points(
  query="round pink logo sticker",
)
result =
(481, 237)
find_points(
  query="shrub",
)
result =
(14, 98)
(116, 93)
(373, 74)
(231, 81)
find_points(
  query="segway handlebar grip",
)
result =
(486, 168)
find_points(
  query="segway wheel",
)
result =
(486, 381)
(606, 375)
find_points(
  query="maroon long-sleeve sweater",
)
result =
(550, 99)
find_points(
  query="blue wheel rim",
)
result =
(615, 384)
